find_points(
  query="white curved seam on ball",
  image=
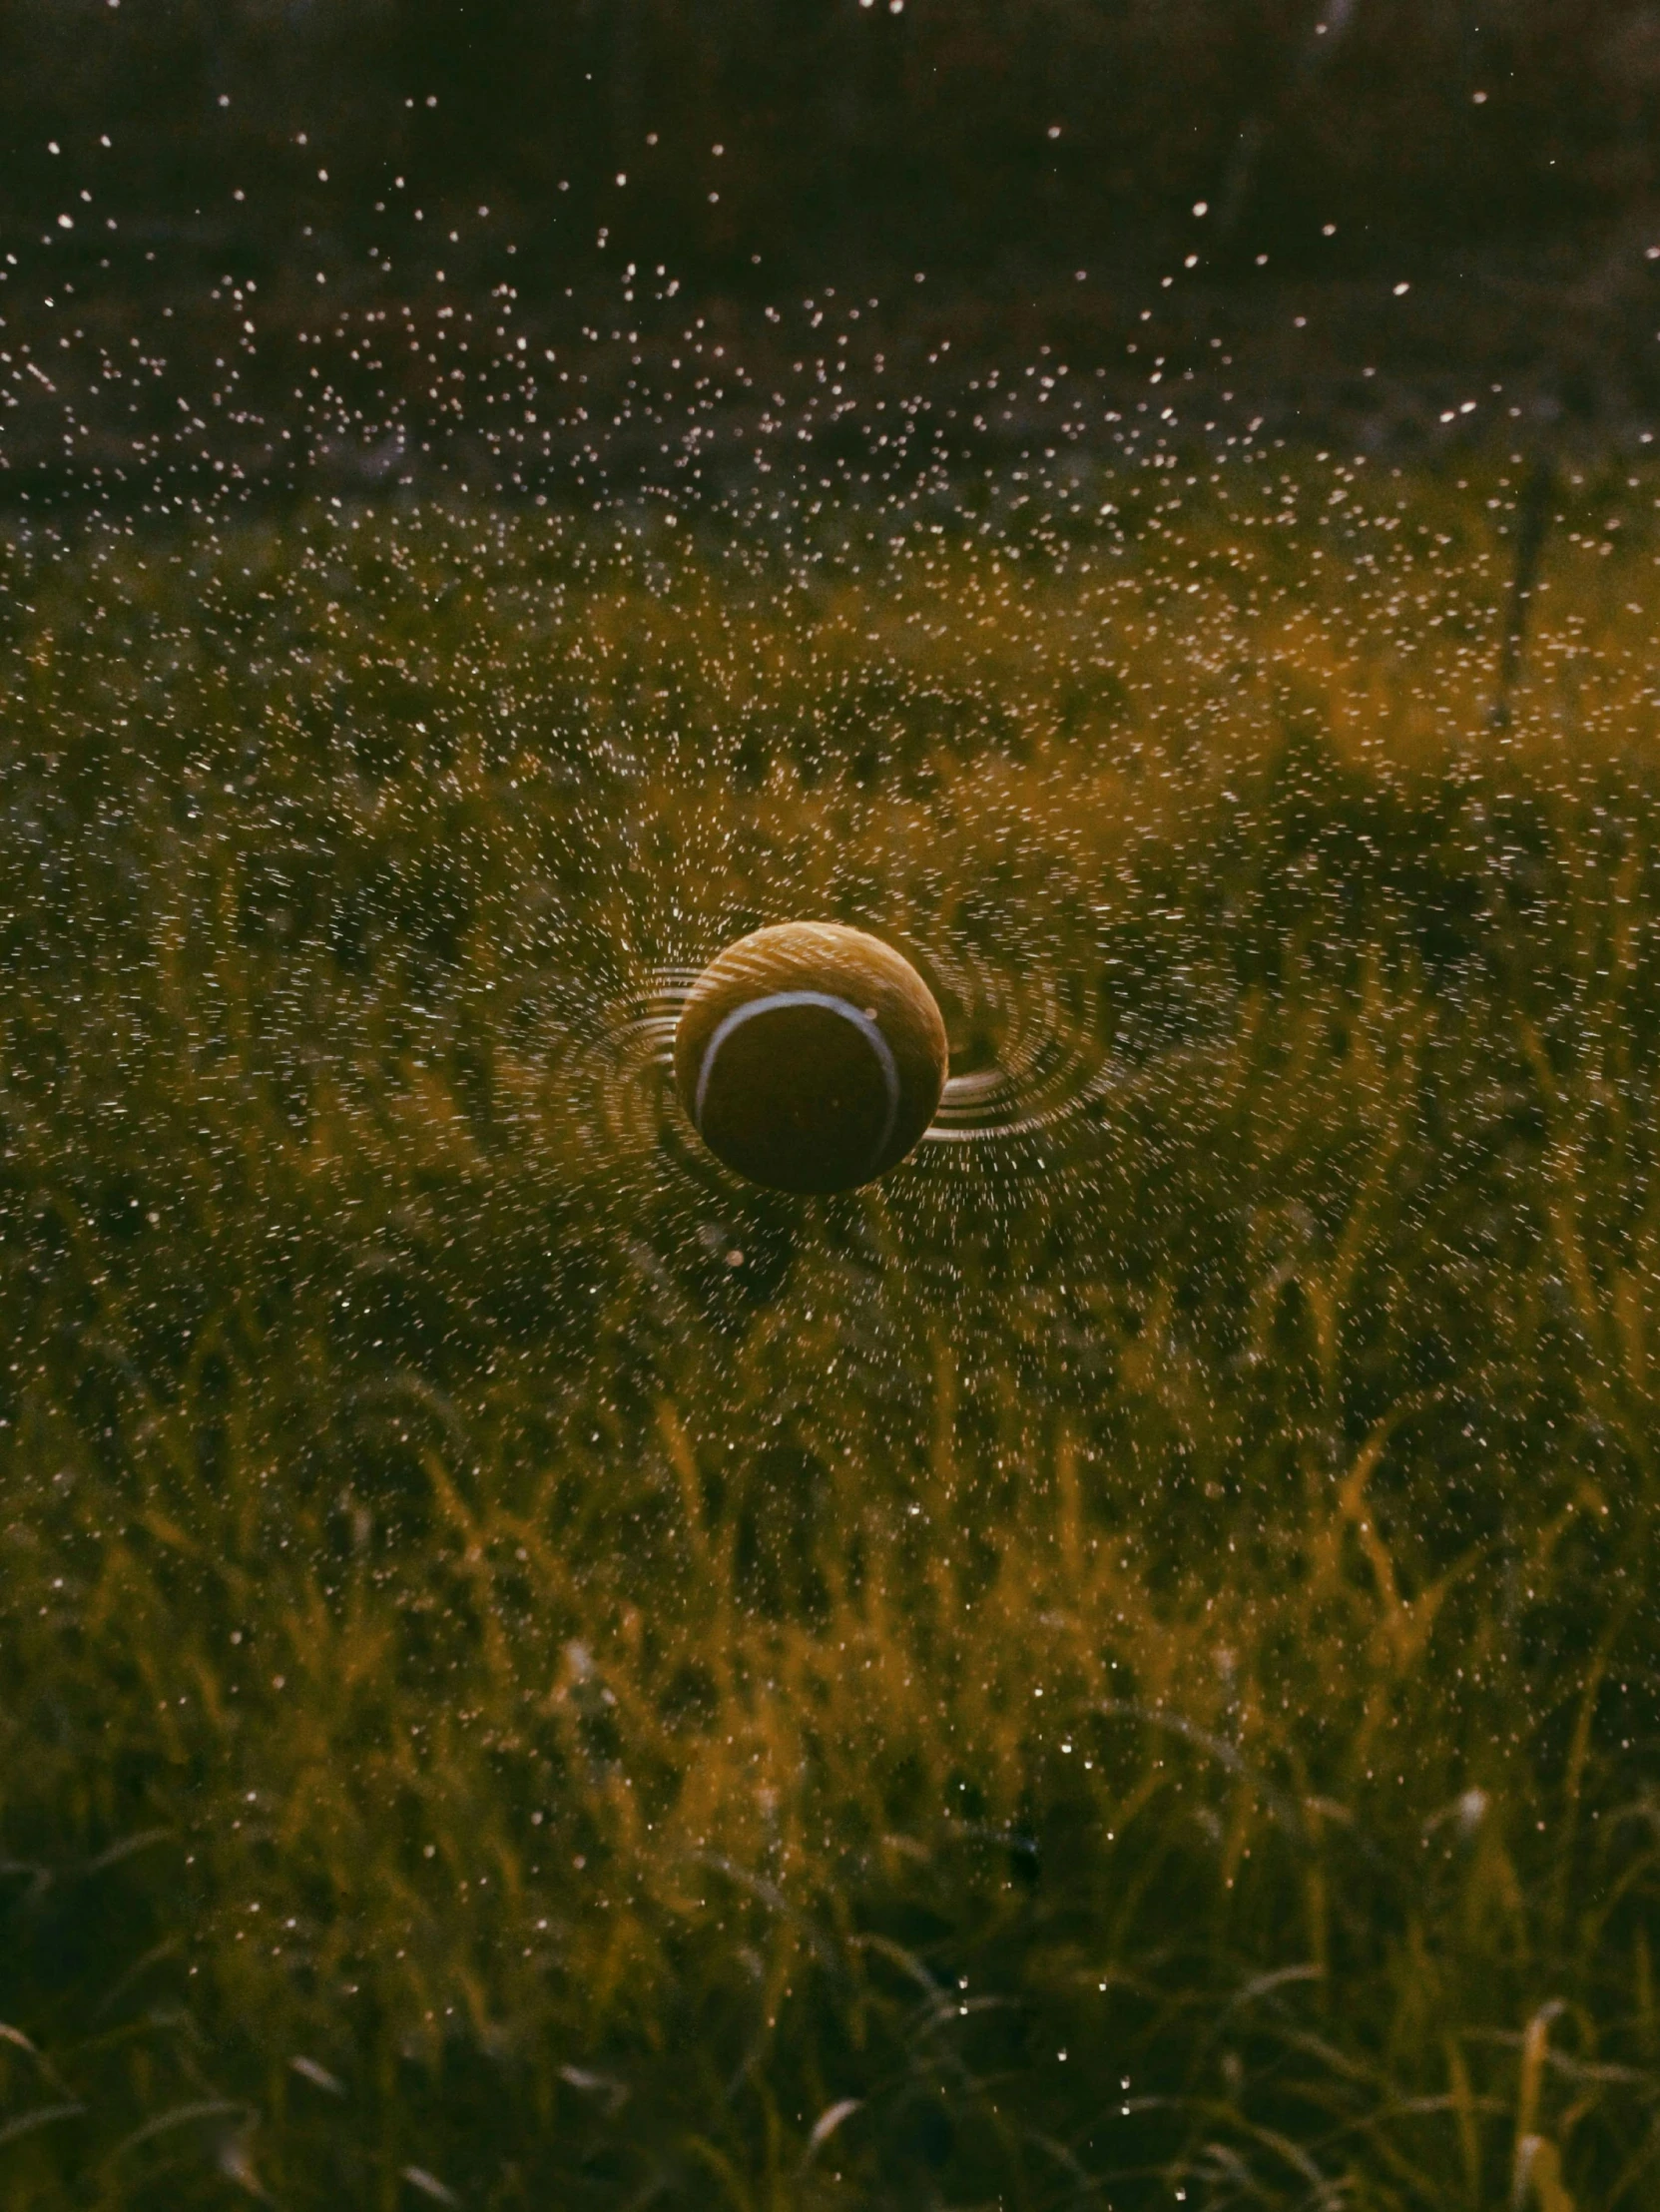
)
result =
(779, 999)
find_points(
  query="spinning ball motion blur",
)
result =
(811, 1056)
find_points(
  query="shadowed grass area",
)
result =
(1114, 1668)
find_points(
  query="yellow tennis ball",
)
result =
(809, 1056)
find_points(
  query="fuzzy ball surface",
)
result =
(809, 1056)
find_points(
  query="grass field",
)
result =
(1115, 1668)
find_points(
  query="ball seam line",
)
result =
(832, 1004)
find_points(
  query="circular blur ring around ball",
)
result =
(811, 1057)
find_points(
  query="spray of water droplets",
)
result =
(1022, 1064)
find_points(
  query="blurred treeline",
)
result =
(959, 132)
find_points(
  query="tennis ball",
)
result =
(809, 1056)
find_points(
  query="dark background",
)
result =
(1398, 226)
(853, 132)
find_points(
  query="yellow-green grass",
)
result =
(1112, 1669)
